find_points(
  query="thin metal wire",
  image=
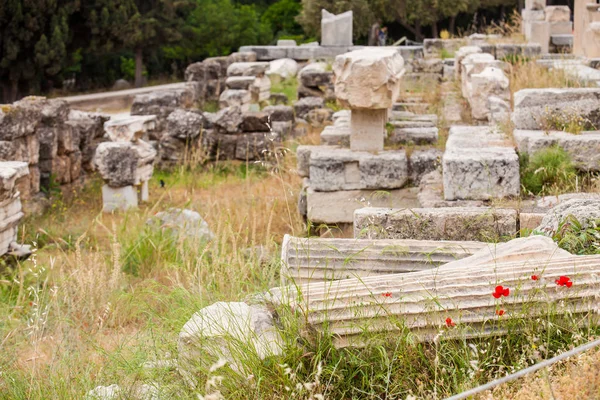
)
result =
(525, 371)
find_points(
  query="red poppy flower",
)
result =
(499, 312)
(449, 322)
(534, 277)
(501, 291)
(387, 294)
(564, 281)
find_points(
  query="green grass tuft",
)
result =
(547, 172)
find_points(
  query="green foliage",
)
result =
(575, 238)
(128, 68)
(289, 87)
(281, 17)
(548, 171)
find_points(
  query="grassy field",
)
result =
(104, 297)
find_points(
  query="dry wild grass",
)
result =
(105, 296)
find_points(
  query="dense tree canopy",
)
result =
(94, 42)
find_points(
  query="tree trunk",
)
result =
(11, 91)
(139, 67)
(434, 30)
(452, 25)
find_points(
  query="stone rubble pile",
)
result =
(56, 143)
(162, 103)
(126, 162)
(316, 80)
(247, 83)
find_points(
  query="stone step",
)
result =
(416, 107)
(444, 223)
(479, 164)
(336, 136)
(307, 260)
(425, 135)
(423, 301)
(344, 169)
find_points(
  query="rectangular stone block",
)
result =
(339, 207)
(119, 199)
(343, 169)
(583, 148)
(303, 157)
(426, 135)
(561, 28)
(336, 136)
(453, 223)
(538, 108)
(530, 220)
(367, 129)
(479, 164)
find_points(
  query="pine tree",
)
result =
(34, 40)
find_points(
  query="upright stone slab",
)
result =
(479, 164)
(368, 82)
(336, 30)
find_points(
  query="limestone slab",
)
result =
(445, 223)
(130, 128)
(119, 199)
(343, 169)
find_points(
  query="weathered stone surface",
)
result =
(195, 72)
(342, 169)
(410, 124)
(491, 82)
(235, 98)
(303, 106)
(257, 121)
(182, 223)
(505, 50)
(547, 202)
(317, 259)
(260, 89)
(247, 68)
(585, 211)
(67, 139)
(129, 129)
(339, 207)
(530, 248)
(303, 157)
(537, 108)
(10, 172)
(117, 163)
(352, 308)
(286, 42)
(241, 56)
(25, 149)
(459, 56)
(479, 164)
(218, 329)
(278, 98)
(162, 103)
(313, 77)
(284, 68)
(452, 223)
(336, 30)
(19, 119)
(319, 116)
(426, 135)
(368, 78)
(228, 120)
(183, 124)
(219, 146)
(583, 148)
(336, 136)
(367, 129)
(279, 113)
(239, 82)
(252, 146)
(422, 162)
(119, 198)
(557, 13)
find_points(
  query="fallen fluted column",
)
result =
(448, 301)
(306, 260)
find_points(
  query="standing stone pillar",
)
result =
(368, 82)
(126, 162)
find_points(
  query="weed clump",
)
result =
(576, 238)
(548, 171)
